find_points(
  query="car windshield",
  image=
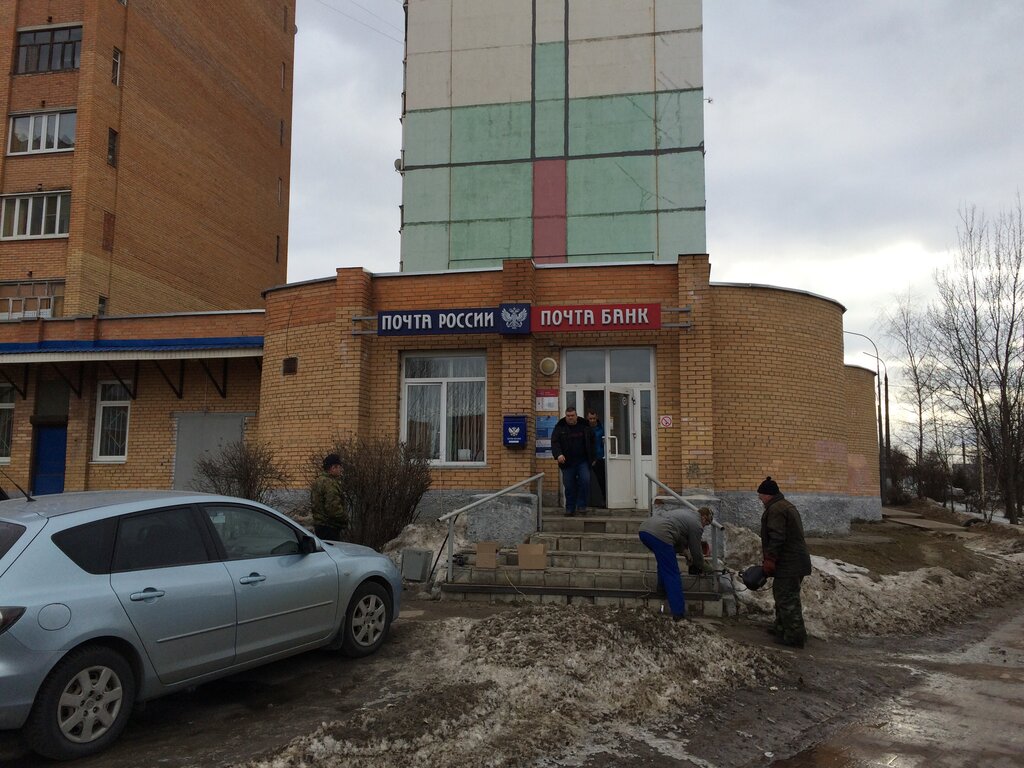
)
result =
(9, 533)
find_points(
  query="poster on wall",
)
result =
(547, 399)
(545, 426)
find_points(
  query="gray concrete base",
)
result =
(508, 520)
(821, 513)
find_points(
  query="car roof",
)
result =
(54, 505)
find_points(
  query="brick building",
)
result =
(145, 170)
(704, 386)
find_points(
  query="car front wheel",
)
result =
(83, 705)
(367, 620)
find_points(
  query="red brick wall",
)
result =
(195, 191)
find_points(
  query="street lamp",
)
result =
(885, 371)
(881, 440)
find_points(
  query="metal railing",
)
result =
(717, 539)
(451, 516)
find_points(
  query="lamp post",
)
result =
(885, 373)
(881, 435)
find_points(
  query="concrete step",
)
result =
(622, 561)
(592, 542)
(697, 603)
(581, 578)
(592, 523)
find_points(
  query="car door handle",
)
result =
(147, 594)
(252, 578)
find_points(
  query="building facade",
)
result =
(146, 155)
(145, 169)
(706, 387)
(563, 131)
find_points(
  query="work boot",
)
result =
(570, 513)
(581, 511)
(791, 643)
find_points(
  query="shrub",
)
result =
(382, 482)
(245, 469)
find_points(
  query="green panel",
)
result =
(681, 232)
(549, 74)
(503, 239)
(622, 237)
(680, 119)
(424, 247)
(611, 185)
(492, 192)
(681, 180)
(550, 138)
(425, 195)
(611, 124)
(427, 137)
(491, 132)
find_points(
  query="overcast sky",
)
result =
(842, 140)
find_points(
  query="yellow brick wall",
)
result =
(861, 431)
(779, 387)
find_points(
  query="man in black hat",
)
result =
(786, 560)
(330, 518)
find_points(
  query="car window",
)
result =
(158, 540)
(89, 546)
(247, 532)
(9, 533)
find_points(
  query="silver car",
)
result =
(110, 598)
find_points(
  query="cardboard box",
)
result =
(532, 556)
(486, 554)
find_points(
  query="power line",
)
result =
(361, 23)
(393, 26)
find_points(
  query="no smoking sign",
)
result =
(665, 421)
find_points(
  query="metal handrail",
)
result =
(717, 539)
(451, 516)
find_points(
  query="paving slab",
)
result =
(891, 513)
(933, 525)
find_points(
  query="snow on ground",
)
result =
(539, 680)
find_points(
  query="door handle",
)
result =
(252, 578)
(147, 594)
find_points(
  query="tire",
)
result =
(367, 620)
(82, 705)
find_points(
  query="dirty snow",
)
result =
(541, 680)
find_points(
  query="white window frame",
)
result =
(117, 59)
(7, 408)
(33, 117)
(443, 459)
(101, 405)
(63, 198)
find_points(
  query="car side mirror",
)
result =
(308, 545)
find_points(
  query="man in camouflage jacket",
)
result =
(785, 558)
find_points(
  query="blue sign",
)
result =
(514, 431)
(422, 322)
(514, 319)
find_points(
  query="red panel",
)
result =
(549, 206)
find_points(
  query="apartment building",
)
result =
(565, 131)
(144, 185)
(146, 155)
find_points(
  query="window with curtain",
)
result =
(444, 402)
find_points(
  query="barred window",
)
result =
(113, 405)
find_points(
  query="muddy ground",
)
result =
(473, 685)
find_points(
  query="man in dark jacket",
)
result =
(785, 558)
(572, 445)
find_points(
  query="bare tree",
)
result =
(245, 469)
(979, 322)
(908, 327)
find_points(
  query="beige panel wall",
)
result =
(432, 20)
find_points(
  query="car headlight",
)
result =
(8, 615)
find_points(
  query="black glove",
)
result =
(695, 570)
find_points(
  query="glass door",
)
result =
(621, 454)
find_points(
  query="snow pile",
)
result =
(512, 687)
(430, 535)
